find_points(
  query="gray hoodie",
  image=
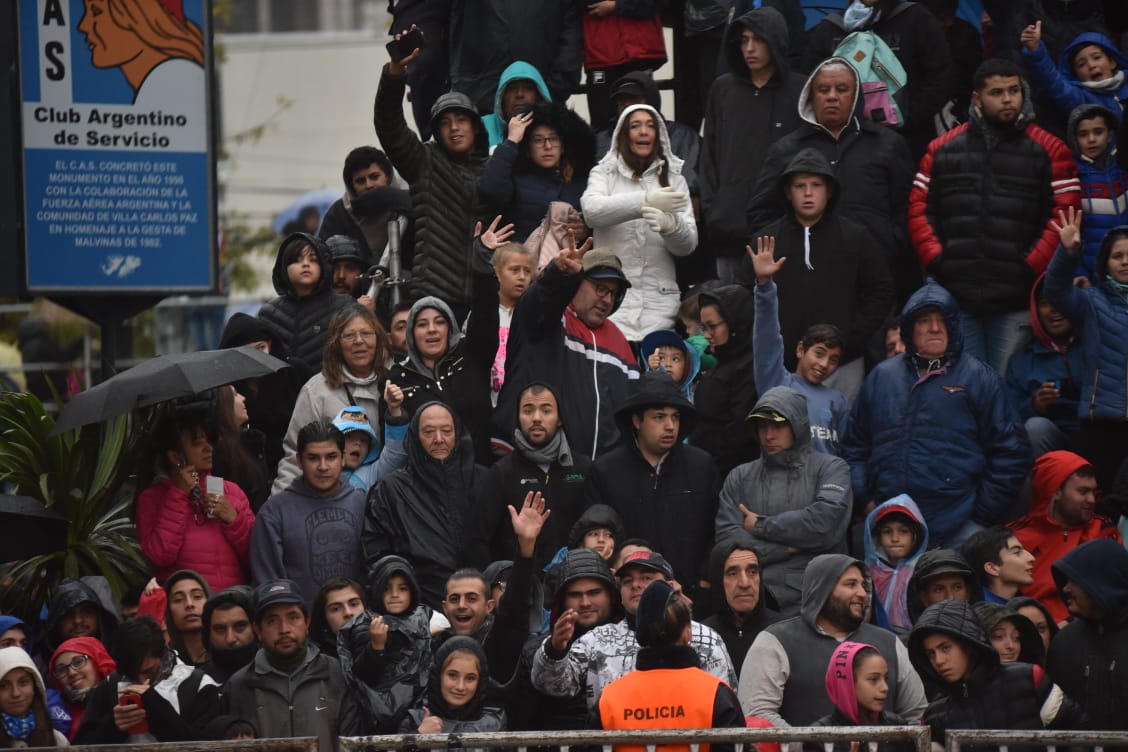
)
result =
(784, 672)
(309, 539)
(803, 500)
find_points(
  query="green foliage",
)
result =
(242, 242)
(82, 474)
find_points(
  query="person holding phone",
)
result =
(442, 175)
(187, 518)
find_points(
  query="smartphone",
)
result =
(214, 485)
(400, 48)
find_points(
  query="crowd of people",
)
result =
(817, 418)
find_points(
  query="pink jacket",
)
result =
(171, 539)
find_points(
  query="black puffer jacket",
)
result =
(423, 511)
(389, 682)
(738, 637)
(982, 205)
(299, 325)
(444, 192)
(671, 505)
(725, 394)
(741, 123)
(993, 695)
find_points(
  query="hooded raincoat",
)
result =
(12, 658)
(389, 682)
(910, 412)
(784, 676)
(802, 498)
(496, 123)
(613, 204)
(473, 717)
(424, 511)
(891, 578)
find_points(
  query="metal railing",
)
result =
(871, 736)
(954, 740)
(295, 744)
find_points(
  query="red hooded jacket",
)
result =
(1047, 540)
(104, 665)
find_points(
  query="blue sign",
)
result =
(117, 148)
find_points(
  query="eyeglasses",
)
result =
(61, 669)
(368, 336)
(542, 141)
(605, 291)
(712, 326)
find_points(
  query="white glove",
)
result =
(658, 220)
(667, 200)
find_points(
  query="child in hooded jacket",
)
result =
(895, 535)
(857, 682)
(456, 695)
(385, 652)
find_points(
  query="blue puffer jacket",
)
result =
(1059, 83)
(1041, 361)
(1101, 313)
(945, 435)
(1104, 189)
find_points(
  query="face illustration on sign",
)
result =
(137, 36)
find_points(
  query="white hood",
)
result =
(612, 158)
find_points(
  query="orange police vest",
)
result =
(665, 698)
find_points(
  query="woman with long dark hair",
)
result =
(23, 704)
(179, 523)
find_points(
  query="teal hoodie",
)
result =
(496, 126)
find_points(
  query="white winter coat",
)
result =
(612, 206)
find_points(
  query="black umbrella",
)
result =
(164, 378)
(28, 528)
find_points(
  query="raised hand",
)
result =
(528, 523)
(518, 124)
(563, 630)
(570, 259)
(763, 259)
(1032, 36)
(1069, 230)
(493, 237)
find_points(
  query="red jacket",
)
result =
(172, 539)
(1047, 540)
(615, 40)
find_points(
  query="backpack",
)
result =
(881, 75)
